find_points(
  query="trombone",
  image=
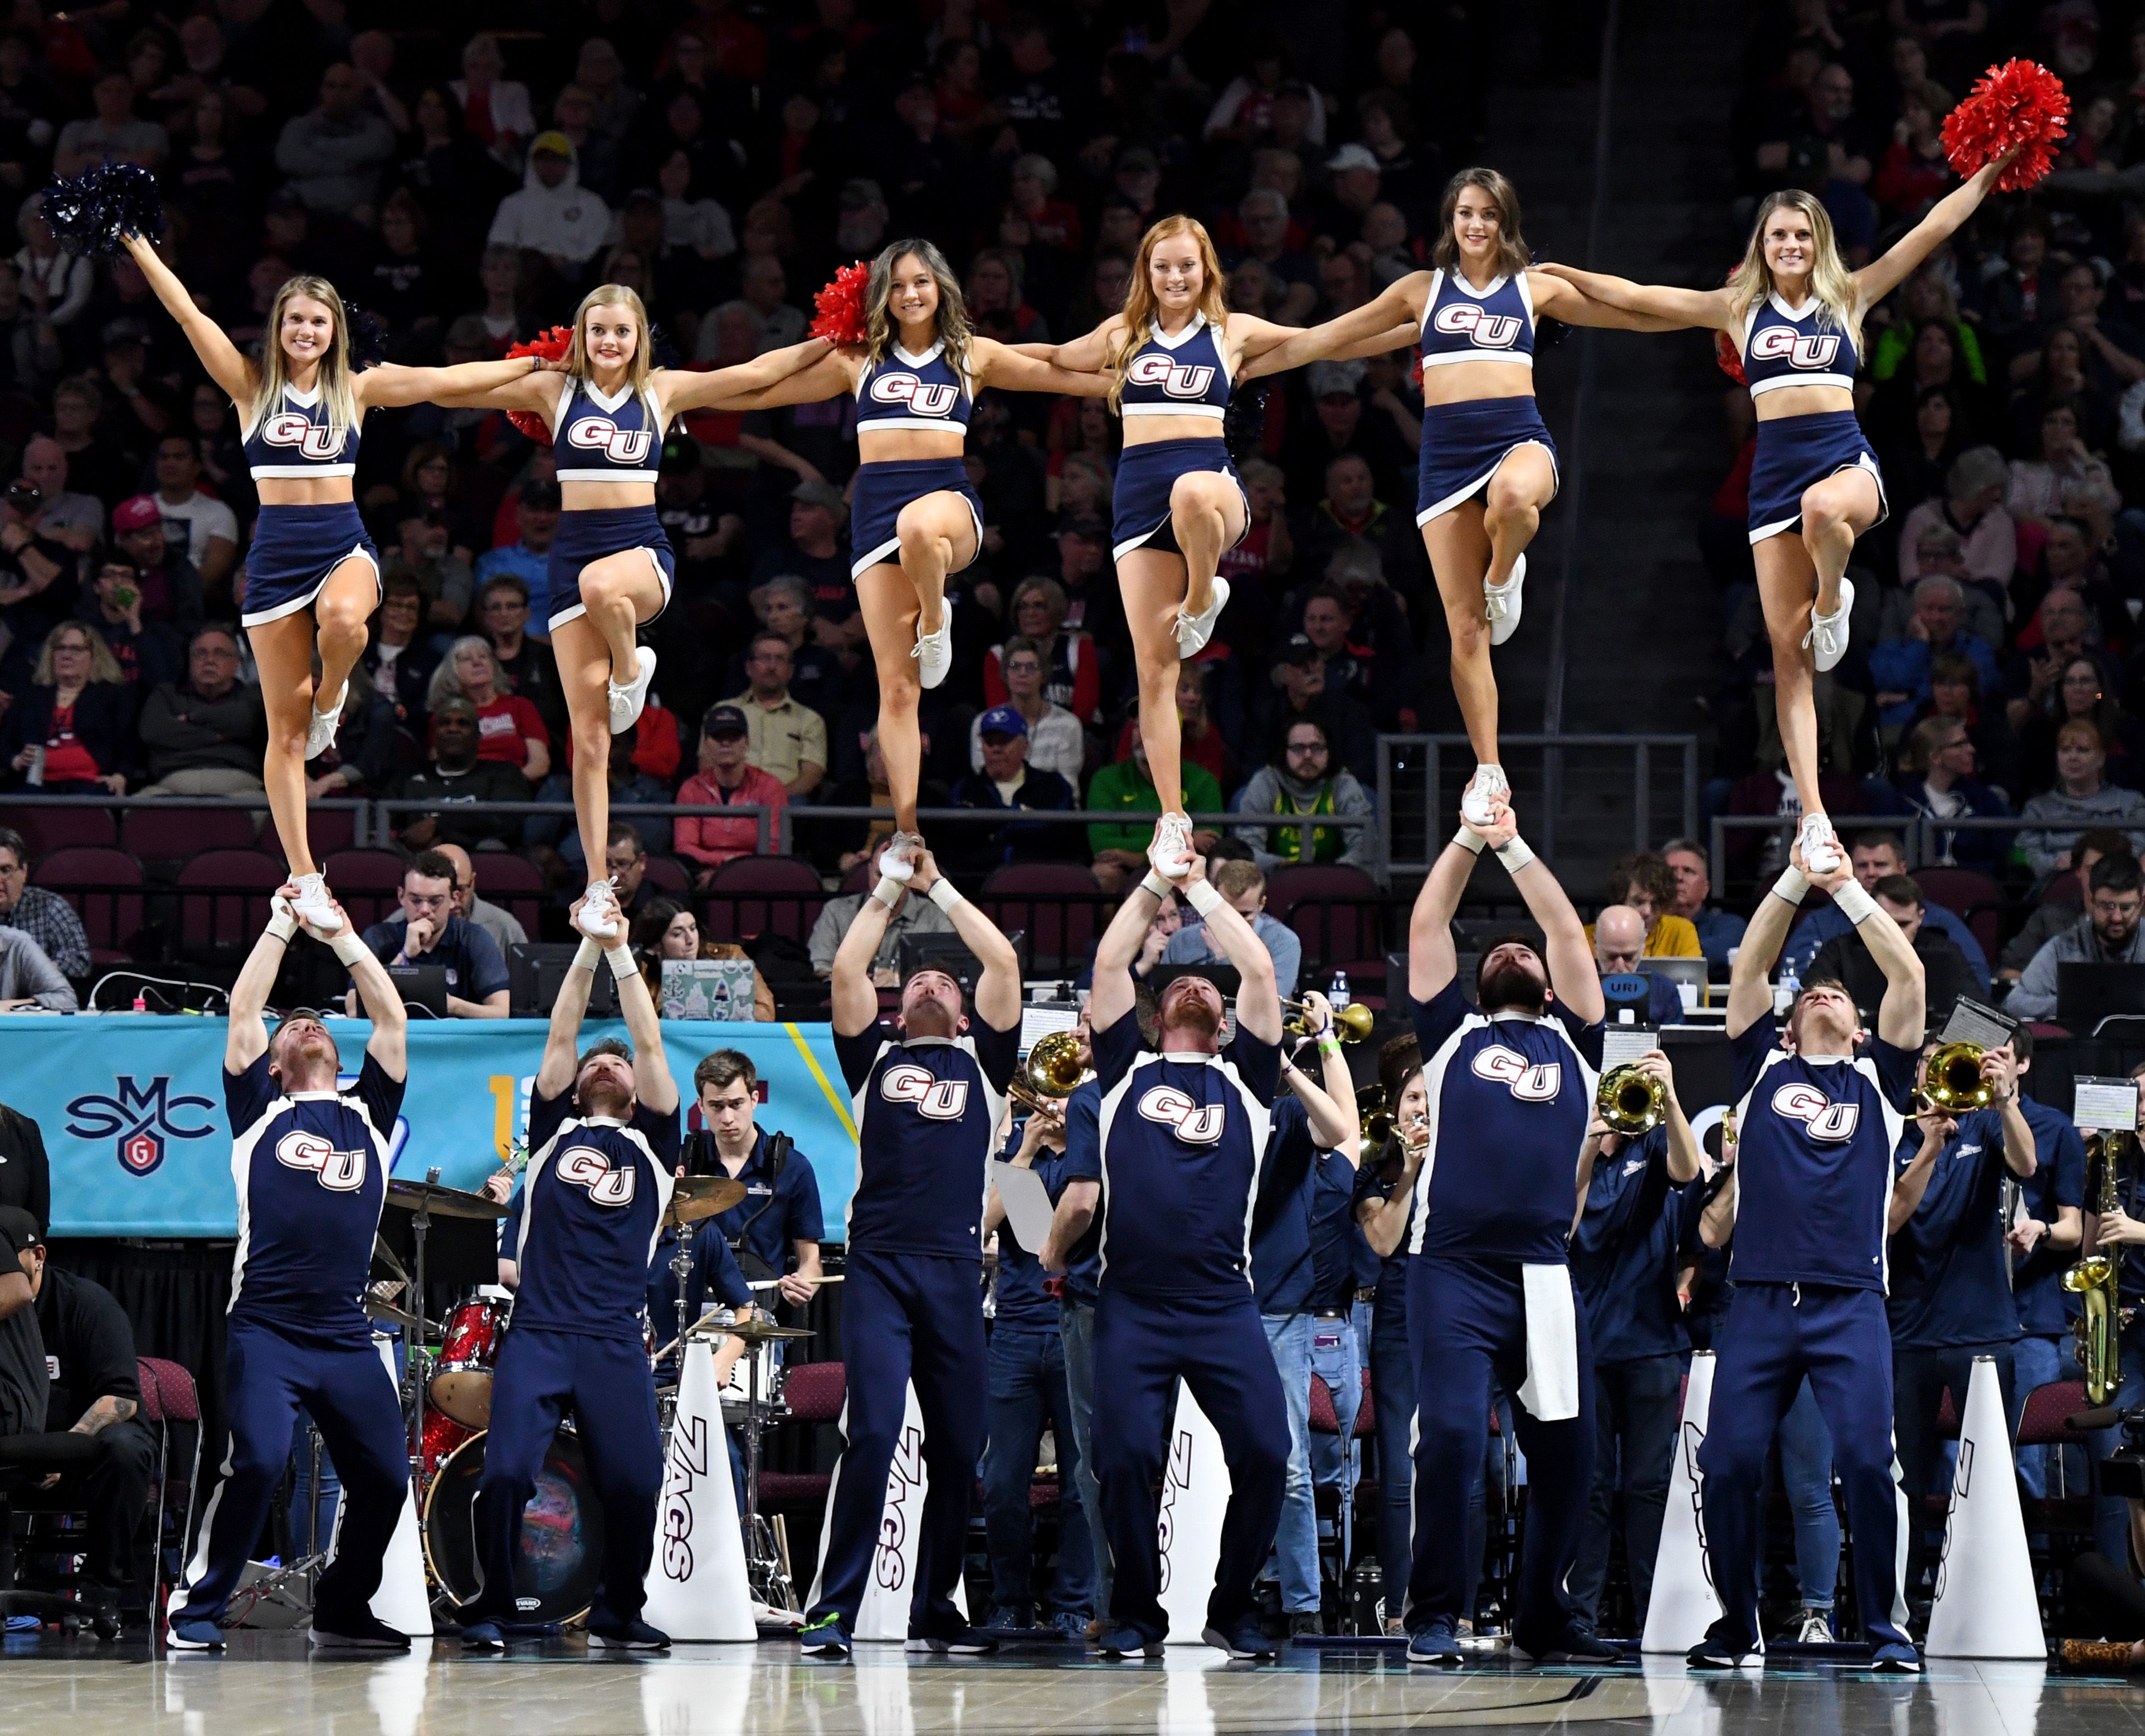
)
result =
(1352, 1023)
(1053, 1072)
(1954, 1082)
(1631, 1101)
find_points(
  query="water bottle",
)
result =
(1337, 992)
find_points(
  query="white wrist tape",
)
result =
(945, 895)
(1472, 841)
(1855, 903)
(348, 946)
(1515, 855)
(621, 959)
(888, 891)
(1792, 884)
(1156, 884)
(1204, 898)
(590, 952)
(281, 923)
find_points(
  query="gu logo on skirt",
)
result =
(934, 1098)
(585, 1166)
(1531, 1082)
(1176, 381)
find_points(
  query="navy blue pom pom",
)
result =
(95, 212)
(662, 353)
(368, 339)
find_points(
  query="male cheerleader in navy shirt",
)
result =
(1510, 1087)
(1183, 1128)
(1820, 1111)
(603, 1139)
(929, 1090)
(309, 1162)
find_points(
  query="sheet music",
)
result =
(1624, 1043)
(1027, 1203)
(1038, 1019)
(2104, 1106)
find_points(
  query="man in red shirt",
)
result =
(726, 777)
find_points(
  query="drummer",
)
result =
(777, 1228)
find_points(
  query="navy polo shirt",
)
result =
(1082, 1161)
(476, 969)
(1624, 1255)
(2058, 1180)
(1390, 1273)
(776, 1210)
(1334, 1235)
(1281, 1268)
(1022, 1302)
(1948, 1281)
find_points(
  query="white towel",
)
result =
(1550, 1391)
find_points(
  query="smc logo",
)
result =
(1827, 1121)
(621, 445)
(924, 400)
(313, 440)
(1776, 343)
(1197, 1124)
(1175, 381)
(339, 1172)
(1487, 331)
(936, 1099)
(1531, 1082)
(585, 1166)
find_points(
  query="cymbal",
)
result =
(752, 1332)
(441, 1201)
(695, 1197)
(388, 1313)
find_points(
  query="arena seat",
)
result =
(365, 883)
(172, 833)
(814, 1393)
(862, 877)
(668, 877)
(104, 885)
(1973, 897)
(222, 896)
(1056, 903)
(47, 829)
(512, 881)
(327, 830)
(1335, 912)
(171, 1406)
(750, 896)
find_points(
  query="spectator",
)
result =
(459, 777)
(667, 929)
(362, 757)
(116, 135)
(511, 731)
(726, 775)
(531, 671)
(1719, 931)
(869, 788)
(1262, 215)
(72, 733)
(1072, 677)
(1304, 781)
(2083, 798)
(1200, 739)
(553, 214)
(1348, 515)
(169, 582)
(29, 978)
(2064, 478)
(1382, 678)
(784, 604)
(426, 931)
(2108, 933)
(1941, 785)
(495, 110)
(1973, 507)
(1844, 959)
(1877, 856)
(396, 664)
(1055, 742)
(499, 924)
(557, 840)
(2066, 624)
(76, 519)
(333, 155)
(26, 1172)
(206, 735)
(789, 738)
(209, 529)
(529, 557)
(1643, 881)
(1618, 934)
(1299, 690)
(1900, 667)
(916, 916)
(2062, 902)
(2080, 692)
(1244, 885)
(37, 587)
(1008, 781)
(41, 914)
(814, 553)
(1127, 787)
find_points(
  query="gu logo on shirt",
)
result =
(585, 1166)
(935, 1099)
(926, 401)
(1815, 350)
(1197, 1124)
(313, 440)
(1531, 1082)
(621, 445)
(1175, 381)
(1489, 332)
(1826, 1120)
(339, 1172)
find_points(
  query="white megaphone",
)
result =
(1683, 1604)
(697, 1584)
(1195, 1498)
(1985, 1603)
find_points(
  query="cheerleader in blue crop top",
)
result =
(1488, 467)
(1794, 312)
(914, 517)
(311, 577)
(606, 408)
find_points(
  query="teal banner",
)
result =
(132, 1107)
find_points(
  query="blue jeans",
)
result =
(1336, 1358)
(2038, 1362)
(1295, 1545)
(1028, 1386)
(1806, 1470)
(1637, 1407)
(1076, 1334)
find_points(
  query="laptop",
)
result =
(2086, 994)
(421, 985)
(536, 971)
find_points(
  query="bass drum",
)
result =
(561, 1532)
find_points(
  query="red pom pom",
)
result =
(550, 346)
(2020, 103)
(1724, 343)
(839, 308)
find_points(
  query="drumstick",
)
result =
(776, 1283)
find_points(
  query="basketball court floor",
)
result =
(264, 1684)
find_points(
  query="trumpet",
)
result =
(1954, 1082)
(1631, 1101)
(1053, 1072)
(1352, 1023)
(1377, 1121)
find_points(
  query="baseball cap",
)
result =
(1336, 379)
(551, 144)
(138, 512)
(1354, 157)
(1001, 720)
(725, 722)
(541, 495)
(1300, 650)
(18, 1227)
(817, 491)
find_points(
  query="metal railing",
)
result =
(257, 806)
(1920, 833)
(765, 829)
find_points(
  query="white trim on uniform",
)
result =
(296, 603)
(872, 557)
(1863, 461)
(1439, 509)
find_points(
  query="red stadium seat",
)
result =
(861, 878)
(1335, 912)
(47, 829)
(1058, 903)
(104, 885)
(667, 875)
(513, 882)
(815, 1393)
(365, 883)
(327, 830)
(224, 899)
(171, 1409)
(754, 895)
(1974, 898)
(166, 833)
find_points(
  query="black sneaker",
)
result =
(1573, 1645)
(1127, 1642)
(359, 1631)
(1306, 1624)
(614, 1636)
(1436, 1642)
(1245, 1641)
(965, 1642)
(1710, 1653)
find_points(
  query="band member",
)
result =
(312, 576)
(603, 1139)
(308, 1159)
(1794, 312)
(1510, 1084)
(776, 1230)
(1817, 1124)
(929, 1092)
(1184, 1127)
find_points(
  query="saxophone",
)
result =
(2097, 1280)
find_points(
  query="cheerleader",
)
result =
(312, 575)
(1794, 311)
(1488, 466)
(606, 405)
(1171, 358)
(913, 515)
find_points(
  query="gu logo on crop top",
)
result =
(585, 1166)
(1830, 1121)
(940, 1100)
(1531, 1081)
(1799, 349)
(1176, 379)
(621, 445)
(923, 398)
(1492, 331)
(1198, 1124)
(338, 1171)
(312, 440)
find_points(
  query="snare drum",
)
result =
(461, 1379)
(562, 1537)
(737, 1390)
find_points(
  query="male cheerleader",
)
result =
(602, 1136)
(1510, 1091)
(929, 1090)
(1817, 1124)
(310, 1161)
(1184, 1126)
